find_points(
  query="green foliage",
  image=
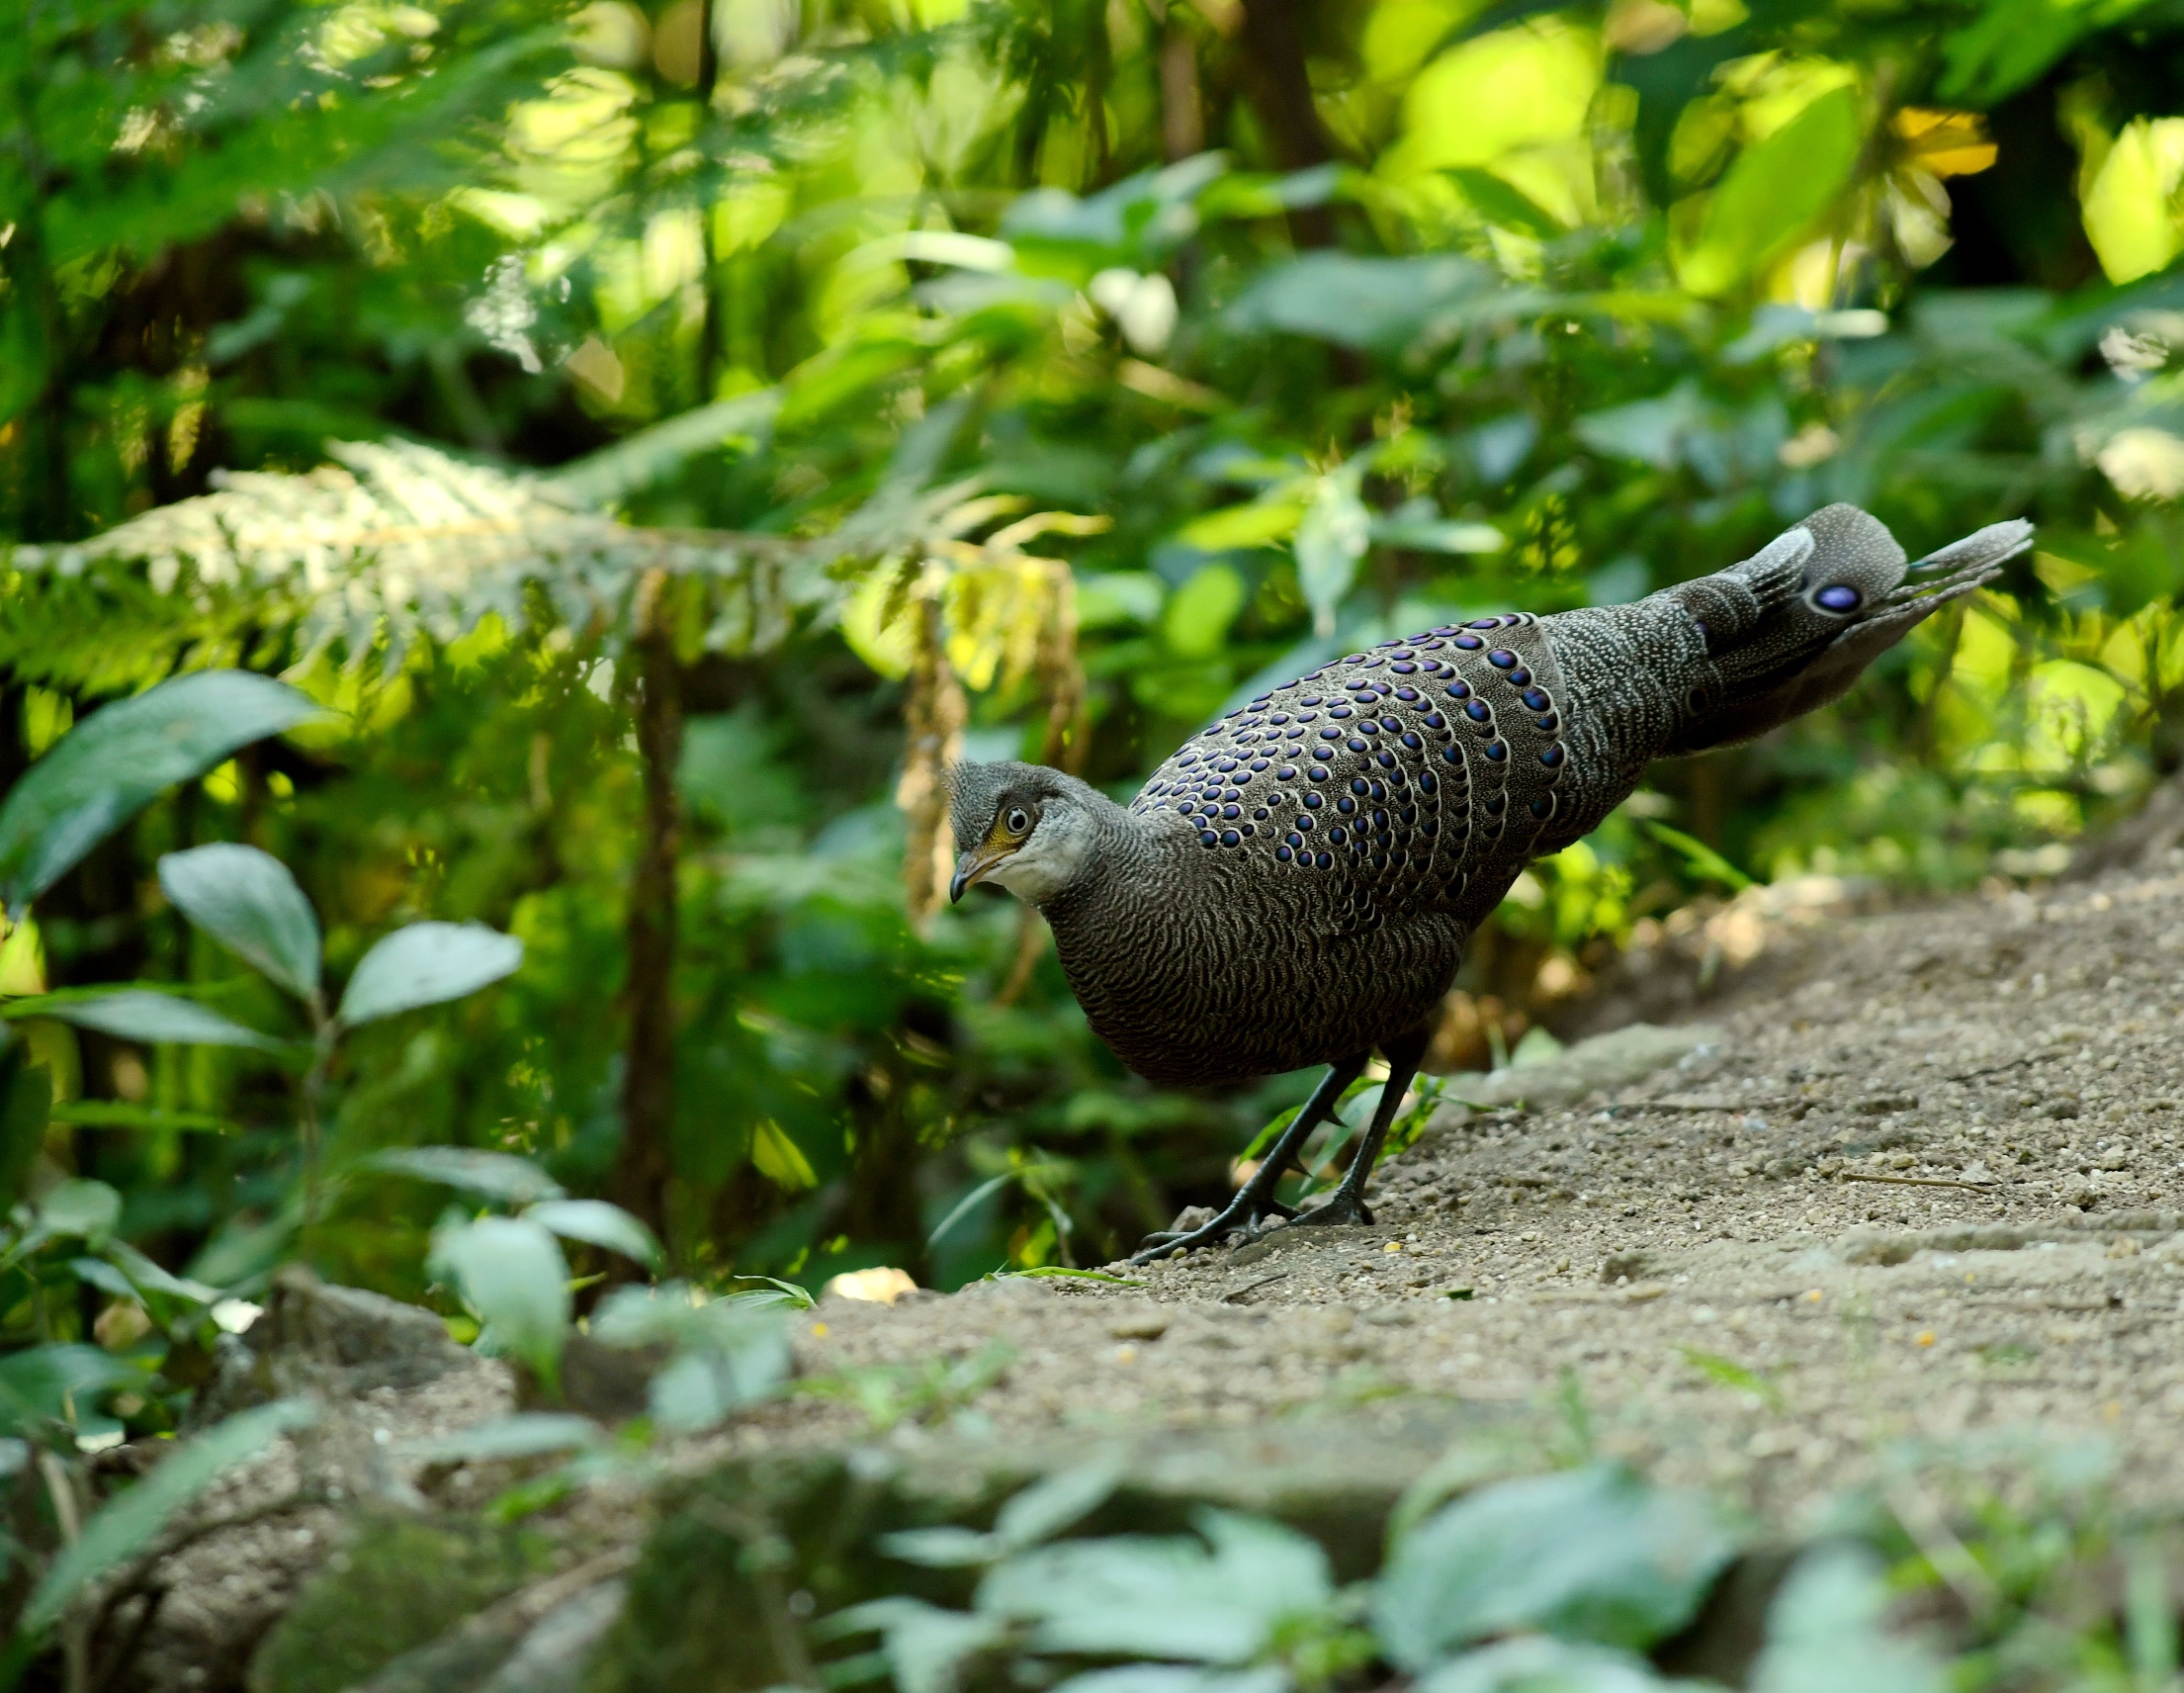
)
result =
(694, 419)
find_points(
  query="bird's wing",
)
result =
(1406, 777)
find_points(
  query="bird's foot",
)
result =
(1342, 1207)
(1247, 1215)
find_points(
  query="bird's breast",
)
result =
(1228, 992)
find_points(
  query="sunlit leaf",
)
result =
(1775, 191)
(427, 963)
(109, 766)
(250, 903)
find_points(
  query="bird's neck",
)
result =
(1114, 867)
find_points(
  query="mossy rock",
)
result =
(401, 1584)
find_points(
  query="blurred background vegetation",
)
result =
(666, 434)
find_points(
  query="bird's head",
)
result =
(1027, 828)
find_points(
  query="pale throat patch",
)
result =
(1050, 860)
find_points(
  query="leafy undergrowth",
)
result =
(1588, 1580)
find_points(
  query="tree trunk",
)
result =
(1282, 89)
(645, 1166)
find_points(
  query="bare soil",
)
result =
(1919, 1182)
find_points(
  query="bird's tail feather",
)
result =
(1792, 627)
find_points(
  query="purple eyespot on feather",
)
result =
(1837, 597)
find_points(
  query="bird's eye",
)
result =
(1018, 823)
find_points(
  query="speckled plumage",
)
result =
(1296, 884)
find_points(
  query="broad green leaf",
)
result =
(1041, 1511)
(1178, 1678)
(498, 1176)
(1378, 304)
(1538, 1664)
(599, 1223)
(1591, 1553)
(1331, 538)
(1824, 1632)
(1425, 533)
(1255, 523)
(42, 1384)
(247, 901)
(512, 1274)
(1199, 612)
(2130, 213)
(109, 766)
(79, 1208)
(1216, 1601)
(1510, 88)
(926, 1647)
(131, 1523)
(141, 1013)
(1775, 191)
(427, 963)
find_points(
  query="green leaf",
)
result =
(1038, 1513)
(42, 1384)
(1734, 1375)
(247, 901)
(26, 1108)
(1427, 533)
(79, 1208)
(1377, 303)
(427, 963)
(1536, 1663)
(110, 765)
(1775, 190)
(729, 1353)
(500, 1176)
(1824, 1632)
(512, 1274)
(1199, 612)
(122, 1113)
(599, 1223)
(1332, 537)
(131, 1524)
(1700, 858)
(926, 1647)
(1219, 1601)
(141, 1013)
(1591, 1554)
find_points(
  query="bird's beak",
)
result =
(972, 867)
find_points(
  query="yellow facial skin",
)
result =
(1000, 844)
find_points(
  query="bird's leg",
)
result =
(1255, 1200)
(1347, 1203)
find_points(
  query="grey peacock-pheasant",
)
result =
(1298, 884)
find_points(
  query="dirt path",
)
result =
(1700, 1264)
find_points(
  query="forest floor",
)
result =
(1913, 1186)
